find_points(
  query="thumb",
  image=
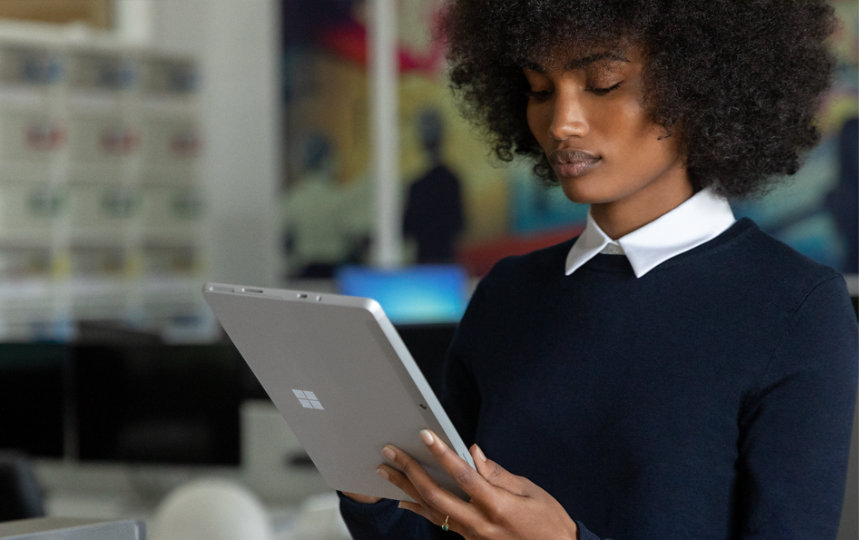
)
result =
(495, 474)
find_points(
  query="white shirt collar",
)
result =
(701, 218)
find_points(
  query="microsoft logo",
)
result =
(308, 399)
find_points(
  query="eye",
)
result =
(538, 95)
(604, 90)
(536, 85)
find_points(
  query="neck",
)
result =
(622, 216)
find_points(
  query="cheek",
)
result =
(535, 116)
(644, 142)
(635, 121)
(631, 133)
(530, 117)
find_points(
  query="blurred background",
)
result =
(148, 146)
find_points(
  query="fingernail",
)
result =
(426, 435)
(389, 453)
(383, 473)
(480, 455)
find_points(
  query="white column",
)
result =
(238, 44)
(244, 113)
(387, 248)
(133, 20)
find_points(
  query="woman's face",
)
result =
(585, 110)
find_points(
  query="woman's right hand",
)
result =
(357, 497)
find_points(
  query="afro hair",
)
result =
(738, 82)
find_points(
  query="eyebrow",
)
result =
(580, 63)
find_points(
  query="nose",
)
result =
(568, 117)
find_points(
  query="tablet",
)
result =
(341, 377)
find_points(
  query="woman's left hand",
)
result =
(502, 505)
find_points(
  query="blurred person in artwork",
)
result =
(434, 214)
(316, 229)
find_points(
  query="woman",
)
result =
(672, 373)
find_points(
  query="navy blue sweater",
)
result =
(711, 398)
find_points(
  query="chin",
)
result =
(580, 191)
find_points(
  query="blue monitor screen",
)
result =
(410, 295)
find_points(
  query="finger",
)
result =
(497, 475)
(429, 493)
(400, 480)
(465, 476)
(446, 522)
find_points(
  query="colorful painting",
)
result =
(503, 208)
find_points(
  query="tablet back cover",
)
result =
(337, 371)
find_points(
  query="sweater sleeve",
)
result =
(384, 521)
(795, 427)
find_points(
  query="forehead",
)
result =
(571, 57)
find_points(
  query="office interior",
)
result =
(149, 146)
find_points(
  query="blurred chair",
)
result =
(21, 496)
(211, 509)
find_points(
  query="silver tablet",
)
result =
(340, 375)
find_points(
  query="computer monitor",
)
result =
(158, 403)
(422, 294)
(32, 398)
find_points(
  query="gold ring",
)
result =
(444, 526)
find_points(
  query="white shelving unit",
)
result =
(101, 205)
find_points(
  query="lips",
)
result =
(572, 163)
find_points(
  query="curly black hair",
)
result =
(738, 82)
